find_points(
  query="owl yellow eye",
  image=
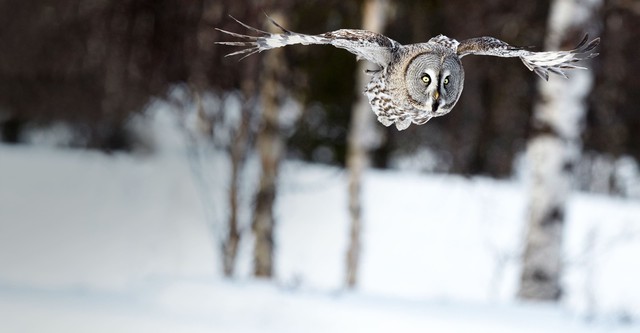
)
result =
(446, 81)
(426, 79)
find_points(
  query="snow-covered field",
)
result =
(98, 243)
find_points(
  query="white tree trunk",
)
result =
(270, 145)
(553, 151)
(362, 136)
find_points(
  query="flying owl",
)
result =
(415, 82)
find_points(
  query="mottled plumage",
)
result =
(415, 82)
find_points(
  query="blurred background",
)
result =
(148, 182)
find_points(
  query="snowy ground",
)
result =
(98, 243)
(187, 307)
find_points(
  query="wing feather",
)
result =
(541, 63)
(364, 44)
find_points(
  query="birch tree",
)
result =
(270, 145)
(238, 151)
(361, 138)
(241, 142)
(553, 151)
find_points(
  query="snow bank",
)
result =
(84, 223)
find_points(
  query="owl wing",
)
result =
(364, 44)
(539, 62)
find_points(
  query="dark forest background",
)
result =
(94, 64)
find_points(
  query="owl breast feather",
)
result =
(384, 105)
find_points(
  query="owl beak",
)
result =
(436, 101)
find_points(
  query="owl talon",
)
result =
(403, 124)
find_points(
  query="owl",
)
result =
(416, 82)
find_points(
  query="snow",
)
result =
(231, 307)
(62, 210)
(130, 243)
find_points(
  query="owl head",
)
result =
(434, 82)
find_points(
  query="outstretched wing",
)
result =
(539, 62)
(365, 44)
